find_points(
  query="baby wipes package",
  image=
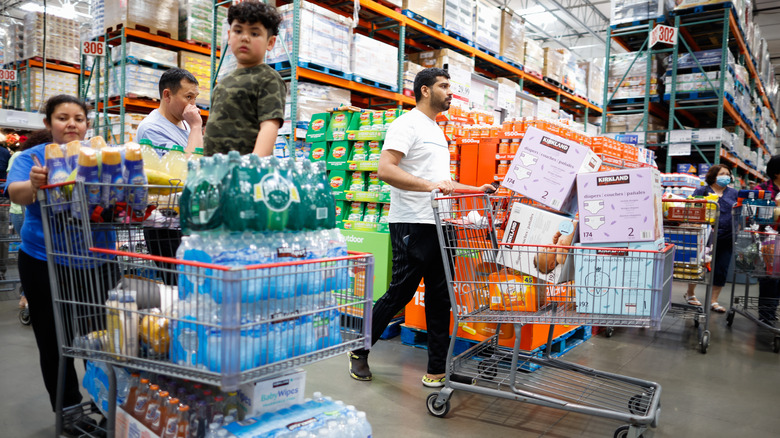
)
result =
(620, 206)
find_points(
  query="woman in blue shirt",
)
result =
(718, 178)
(66, 118)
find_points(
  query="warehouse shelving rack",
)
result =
(716, 28)
(16, 96)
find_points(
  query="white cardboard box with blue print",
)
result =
(545, 169)
(532, 226)
(620, 279)
(620, 206)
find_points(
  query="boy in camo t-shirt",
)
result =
(248, 105)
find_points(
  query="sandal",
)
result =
(693, 301)
(717, 308)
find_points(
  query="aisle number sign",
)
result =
(7, 75)
(93, 48)
(663, 34)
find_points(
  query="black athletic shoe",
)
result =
(358, 367)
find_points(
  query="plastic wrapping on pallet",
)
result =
(533, 61)
(142, 52)
(97, 12)
(705, 58)
(325, 38)
(196, 18)
(554, 61)
(627, 11)
(365, 51)
(512, 37)
(487, 26)
(200, 67)
(160, 16)
(140, 81)
(459, 17)
(57, 82)
(14, 43)
(432, 10)
(62, 38)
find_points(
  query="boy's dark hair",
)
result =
(712, 173)
(256, 12)
(773, 167)
(171, 80)
(51, 105)
(427, 77)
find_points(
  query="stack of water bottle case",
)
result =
(236, 212)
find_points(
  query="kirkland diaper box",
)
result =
(620, 206)
(616, 280)
(545, 168)
(533, 226)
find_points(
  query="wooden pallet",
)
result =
(140, 27)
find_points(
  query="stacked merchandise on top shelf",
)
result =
(628, 76)
(57, 82)
(325, 39)
(160, 17)
(431, 10)
(14, 43)
(365, 52)
(196, 18)
(554, 62)
(534, 61)
(62, 38)
(595, 80)
(459, 17)
(442, 58)
(140, 75)
(629, 11)
(487, 26)
(512, 37)
(97, 26)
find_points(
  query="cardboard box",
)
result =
(459, 17)
(442, 58)
(487, 26)
(617, 281)
(512, 37)
(161, 16)
(533, 226)
(431, 9)
(272, 394)
(620, 206)
(545, 168)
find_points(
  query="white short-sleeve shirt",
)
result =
(426, 156)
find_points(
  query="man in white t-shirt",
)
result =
(177, 121)
(415, 161)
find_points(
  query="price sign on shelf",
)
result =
(460, 83)
(93, 48)
(663, 34)
(8, 75)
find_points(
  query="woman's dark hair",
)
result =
(773, 167)
(58, 100)
(35, 138)
(712, 174)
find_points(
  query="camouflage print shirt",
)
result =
(241, 101)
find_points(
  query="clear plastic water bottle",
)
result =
(212, 432)
(365, 429)
(324, 203)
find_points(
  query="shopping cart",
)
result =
(691, 226)
(756, 255)
(487, 284)
(9, 254)
(119, 303)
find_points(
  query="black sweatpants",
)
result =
(768, 297)
(417, 256)
(90, 286)
(164, 242)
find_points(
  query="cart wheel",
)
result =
(705, 342)
(776, 344)
(657, 417)
(635, 404)
(610, 331)
(622, 431)
(437, 411)
(24, 316)
(730, 317)
(487, 370)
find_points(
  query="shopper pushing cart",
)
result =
(756, 254)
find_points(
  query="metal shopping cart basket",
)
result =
(487, 283)
(118, 301)
(691, 225)
(756, 255)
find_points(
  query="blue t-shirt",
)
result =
(726, 203)
(33, 242)
(161, 132)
